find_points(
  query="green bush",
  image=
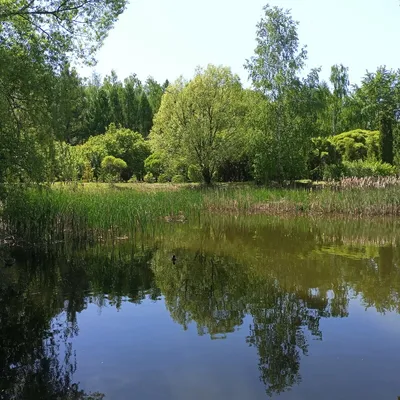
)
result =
(88, 174)
(149, 178)
(332, 171)
(112, 167)
(323, 159)
(163, 178)
(133, 179)
(120, 143)
(153, 165)
(178, 179)
(357, 145)
(194, 173)
(361, 169)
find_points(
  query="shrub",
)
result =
(88, 172)
(332, 172)
(323, 159)
(149, 178)
(362, 169)
(178, 179)
(112, 167)
(163, 178)
(133, 179)
(357, 145)
(194, 173)
(153, 165)
(121, 143)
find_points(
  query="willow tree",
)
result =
(199, 122)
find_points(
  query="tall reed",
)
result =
(101, 213)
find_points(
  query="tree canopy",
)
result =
(199, 121)
(286, 126)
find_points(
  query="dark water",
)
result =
(253, 307)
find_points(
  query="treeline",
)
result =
(289, 125)
(87, 107)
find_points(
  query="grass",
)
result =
(101, 211)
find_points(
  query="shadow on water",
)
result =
(286, 276)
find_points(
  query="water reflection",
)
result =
(286, 276)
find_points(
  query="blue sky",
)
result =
(169, 38)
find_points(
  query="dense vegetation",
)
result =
(289, 125)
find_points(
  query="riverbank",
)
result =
(117, 210)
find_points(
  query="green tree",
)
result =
(60, 28)
(154, 92)
(145, 115)
(36, 41)
(115, 91)
(379, 95)
(277, 58)
(132, 88)
(68, 106)
(339, 79)
(199, 121)
(279, 143)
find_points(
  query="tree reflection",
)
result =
(285, 277)
(40, 298)
(278, 331)
(32, 340)
(216, 293)
(204, 289)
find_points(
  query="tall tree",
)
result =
(274, 72)
(115, 98)
(199, 120)
(339, 79)
(145, 115)
(132, 89)
(154, 92)
(379, 97)
(277, 58)
(69, 105)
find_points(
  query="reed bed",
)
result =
(103, 212)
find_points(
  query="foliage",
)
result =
(378, 98)
(37, 40)
(88, 172)
(194, 173)
(277, 56)
(199, 121)
(59, 28)
(163, 178)
(154, 164)
(120, 143)
(332, 172)
(339, 79)
(361, 169)
(178, 179)
(113, 166)
(281, 134)
(149, 178)
(357, 145)
(323, 156)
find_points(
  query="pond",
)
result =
(253, 308)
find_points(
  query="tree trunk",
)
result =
(206, 175)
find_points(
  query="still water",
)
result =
(253, 308)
